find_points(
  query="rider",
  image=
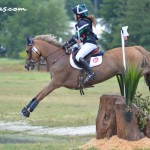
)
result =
(84, 34)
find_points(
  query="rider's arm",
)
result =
(70, 42)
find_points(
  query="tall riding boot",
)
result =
(90, 74)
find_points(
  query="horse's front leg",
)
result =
(35, 101)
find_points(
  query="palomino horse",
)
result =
(63, 75)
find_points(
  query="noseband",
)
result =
(30, 54)
(31, 61)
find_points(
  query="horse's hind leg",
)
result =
(146, 73)
(35, 101)
(147, 80)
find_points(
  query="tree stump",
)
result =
(111, 119)
(125, 129)
(106, 118)
(147, 128)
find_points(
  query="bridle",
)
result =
(30, 53)
(30, 61)
(36, 51)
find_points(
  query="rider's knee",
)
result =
(78, 58)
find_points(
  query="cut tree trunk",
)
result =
(111, 119)
(125, 129)
(106, 118)
(147, 128)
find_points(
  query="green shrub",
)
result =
(22, 54)
(144, 109)
(131, 79)
(128, 82)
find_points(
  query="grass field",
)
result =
(62, 107)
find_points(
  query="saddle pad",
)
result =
(95, 61)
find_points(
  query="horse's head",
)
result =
(33, 54)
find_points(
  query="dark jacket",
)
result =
(84, 32)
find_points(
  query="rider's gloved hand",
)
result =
(65, 45)
(68, 51)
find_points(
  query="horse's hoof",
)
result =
(25, 112)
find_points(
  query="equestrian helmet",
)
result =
(80, 10)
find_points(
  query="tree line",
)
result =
(118, 13)
(53, 16)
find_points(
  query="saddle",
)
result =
(96, 52)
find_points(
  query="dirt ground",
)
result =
(115, 143)
(40, 130)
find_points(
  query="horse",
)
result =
(64, 75)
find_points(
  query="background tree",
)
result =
(138, 19)
(134, 13)
(43, 17)
(111, 11)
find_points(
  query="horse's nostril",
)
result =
(26, 67)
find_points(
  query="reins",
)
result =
(54, 53)
(58, 58)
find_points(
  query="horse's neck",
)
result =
(51, 52)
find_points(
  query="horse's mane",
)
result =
(49, 38)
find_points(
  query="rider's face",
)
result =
(75, 17)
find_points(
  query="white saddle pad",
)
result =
(95, 61)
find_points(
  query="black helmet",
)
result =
(80, 10)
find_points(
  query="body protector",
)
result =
(84, 32)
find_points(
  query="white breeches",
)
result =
(85, 50)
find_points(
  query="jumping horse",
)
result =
(64, 75)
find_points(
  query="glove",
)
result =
(65, 45)
(68, 51)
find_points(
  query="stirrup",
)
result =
(89, 78)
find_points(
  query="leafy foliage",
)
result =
(43, 17)
(143, 103)
(134, 13)
(121, 84)
(131, 79)
(137, 17)
(128, 83)
(111, 11)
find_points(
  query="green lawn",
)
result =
(63, 107)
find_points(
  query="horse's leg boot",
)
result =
(90, 74)
(29, 108)
(33, 105)
(30, 103)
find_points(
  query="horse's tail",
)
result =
(145, 64)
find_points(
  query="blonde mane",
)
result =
(49, 38)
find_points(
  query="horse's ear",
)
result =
(30, 40)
